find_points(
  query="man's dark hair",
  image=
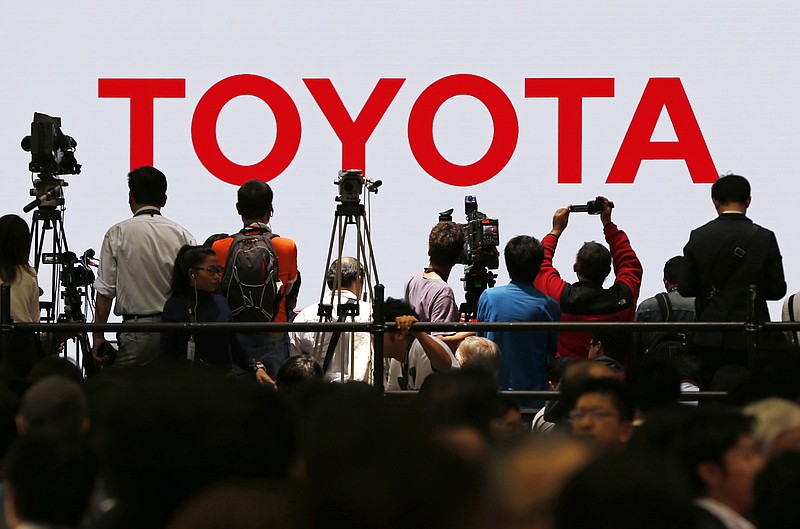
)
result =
(617, 390)
(575, 375)
(52, 478)
(254, 199)
(654, 384)
(731, 188)
(54, 405)
(459, 397)
(56, 365)
(706, 435)
(616, 344)
(393, 308)
(556, 369)
(296, 372)
(445, 243)
(524, 255)
(148, 185)
(593, 262)
(200, 429)
(649, 486)
(777, 493)
(672, 269)
(351, 272)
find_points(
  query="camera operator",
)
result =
(587, 300)
(428, 293)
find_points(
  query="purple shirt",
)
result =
(432, 299)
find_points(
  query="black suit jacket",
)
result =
(761, 265)
(703, 519)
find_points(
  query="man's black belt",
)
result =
(128, 317)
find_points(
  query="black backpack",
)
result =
(670, 344)
(250, 281)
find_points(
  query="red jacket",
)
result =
(583, 301)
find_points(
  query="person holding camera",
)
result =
(587, 300)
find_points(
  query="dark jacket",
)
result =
(708, 248)
(583, 301)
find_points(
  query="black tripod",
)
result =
(69, 278)
(350, 212)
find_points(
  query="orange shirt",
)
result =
(286, 250)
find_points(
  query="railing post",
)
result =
(378, 330)
(751, 328)
(6, 323)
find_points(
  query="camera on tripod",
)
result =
(352, 183)
(52, 151)
(481, 236)
(480, 255)
(75, 276)
(52, 155)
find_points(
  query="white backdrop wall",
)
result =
(736, 62)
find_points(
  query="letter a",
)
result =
(690, 147)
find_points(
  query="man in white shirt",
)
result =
(136, 262)
(413, 356)
(351, 356)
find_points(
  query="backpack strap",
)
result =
(665, 307)
(726, 262)
(263, 229)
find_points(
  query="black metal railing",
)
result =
(378, 326)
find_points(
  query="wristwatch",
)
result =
(258, 365)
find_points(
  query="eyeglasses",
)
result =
(212, 270)
(596, 414)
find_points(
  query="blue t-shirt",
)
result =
(525, 355)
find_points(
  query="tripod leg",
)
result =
(370, 268)
(83, 354)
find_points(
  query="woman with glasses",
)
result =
(196, 277)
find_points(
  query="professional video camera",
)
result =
(75, 276)
(481, 239)
(351, 183)
(52, 155)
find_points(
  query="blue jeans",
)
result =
(270, 349)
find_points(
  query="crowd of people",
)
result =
(261, 429)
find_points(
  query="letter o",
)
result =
(204, 129)
(504, 138)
